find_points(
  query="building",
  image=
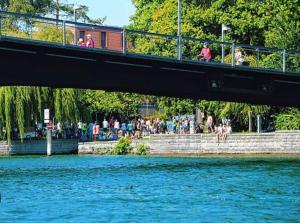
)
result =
(104, 37)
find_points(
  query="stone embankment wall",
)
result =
(263, 143)
(103, 148)
(174, 145)
(38, 147)
(4, 148)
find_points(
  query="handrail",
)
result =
(152, 34)
(142, 32)
(180, 40)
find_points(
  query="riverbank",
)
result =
(283, 143)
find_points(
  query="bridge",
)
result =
(145, 63)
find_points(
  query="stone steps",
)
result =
(282, 142)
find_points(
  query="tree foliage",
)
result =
(108, 103)
(270, 23)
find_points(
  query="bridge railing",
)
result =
(151, 44)
(68, 33)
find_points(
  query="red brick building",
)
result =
(104, 37)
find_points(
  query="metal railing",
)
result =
(126, 41)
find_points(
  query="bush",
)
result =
(288, 120)
(123, 147)
(142, 149)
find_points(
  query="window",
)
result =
(81, 35)
(103, 39)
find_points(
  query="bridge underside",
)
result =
(30, 63)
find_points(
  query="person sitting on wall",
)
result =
(90, 41)
(81, 43)
(205, 54)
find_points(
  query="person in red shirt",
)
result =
(90, 41)
(205, 54)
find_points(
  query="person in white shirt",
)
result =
(105, 125)
(116, 127)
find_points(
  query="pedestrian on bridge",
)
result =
(90, 41)
(205, 54)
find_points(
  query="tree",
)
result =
(108, 103)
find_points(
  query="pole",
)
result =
(49, 142)
(223, 50)
(284, 60)
(124, 41)
(0, 27)
(179, 40)
(258, 124)
(75, 32)
(232, 55)
(250, 120)
(64, 33)
(257, 57)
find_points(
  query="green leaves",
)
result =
(289, 119)
(109, 103)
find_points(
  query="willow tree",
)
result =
(65, 105)
(18, 105)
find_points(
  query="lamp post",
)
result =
(224, 28)
(76, 7)
(179, 43)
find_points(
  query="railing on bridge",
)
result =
(67, 33)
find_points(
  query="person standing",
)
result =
(90, 130)
(123, 128)
(210, 123)
(105, 125)
(116, 126)
(90, 41)
(238, 57)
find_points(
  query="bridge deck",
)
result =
(35, 63)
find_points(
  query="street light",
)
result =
(76, 7)
(179, 44)
(224, 28)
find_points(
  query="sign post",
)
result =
(49, 131)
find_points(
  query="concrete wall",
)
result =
(39, 147)
(96, 147)
(278, 142)
(4, 148)
(105, 147)
(197, 144)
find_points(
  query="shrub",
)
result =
(123, 147)
(142, 149)
(288, 120)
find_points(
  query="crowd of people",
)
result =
(222, 130)
(136, 128)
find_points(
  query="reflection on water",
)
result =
(143, 189)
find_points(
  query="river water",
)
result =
(148, 189)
